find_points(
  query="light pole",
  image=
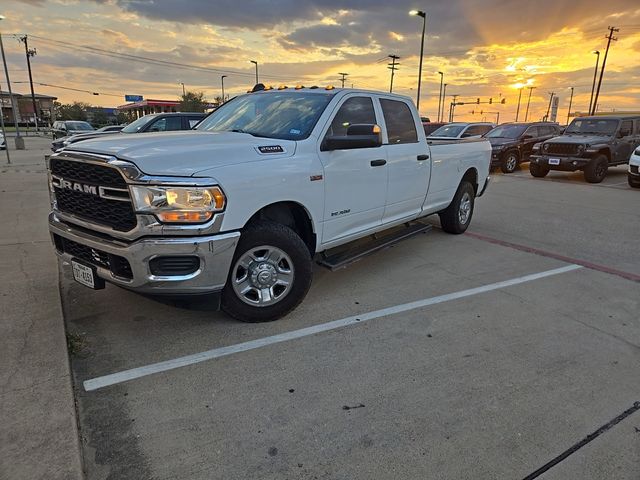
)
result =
(526, 115)
(183, 90)
(420, 13)
(595, 74)
(440, 95)
(4, 131)
(444, 95)
(570, 102)
(518, 109)
(19, 140)
(256, 64)
(222, 80)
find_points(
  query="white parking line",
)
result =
(139, 372)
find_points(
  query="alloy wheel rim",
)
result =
(464, 211)
(511, 162)
(263, 276)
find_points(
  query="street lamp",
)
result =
(444, 95)
(440, 95)
(256, 64)
(595, 73)
(14, 107)
(222, 79)
(570, 102)
(526, 115)
(422, 14)
(183, 90)
(519, 98)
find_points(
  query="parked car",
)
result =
(459, 130)
(238, 207)
(164, 122)
(3, 142)
(64, 128)
(430, 127)
(68, 140)
(591, 144)
(512, 143)
(634, 169)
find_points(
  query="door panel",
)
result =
(355, 190)
(408, 176)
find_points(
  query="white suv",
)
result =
(634, 169)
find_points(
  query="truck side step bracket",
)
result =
(345, 255)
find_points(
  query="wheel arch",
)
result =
(471, 175)
(291, 214)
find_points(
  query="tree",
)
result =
(193, 102)
(100, 118)
(71, 111)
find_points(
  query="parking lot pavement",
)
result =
(492, 385)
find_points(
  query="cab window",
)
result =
(401, 127)
(355, 110)
(626, 128)
(166, 124)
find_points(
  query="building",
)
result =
(145, 107)
(25, 114)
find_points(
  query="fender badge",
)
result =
(271, 149)
(315, 178)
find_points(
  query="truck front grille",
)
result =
(117, 214)
(562, 149)
(118, 265)
(634, 169)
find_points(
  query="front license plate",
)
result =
(84, 275)
(554, 161)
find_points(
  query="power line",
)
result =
(74, 89)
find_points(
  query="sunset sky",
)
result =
(484, 47)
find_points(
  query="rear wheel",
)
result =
(510, 162)
(457, 216)
(538, 171)
(596, 170)
(270, 274)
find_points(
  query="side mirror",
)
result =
(361, 135)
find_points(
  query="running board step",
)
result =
(342, 256)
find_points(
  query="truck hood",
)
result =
(580, 139)
(186, 153)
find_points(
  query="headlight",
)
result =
(545, 147)
(637, 152)
(178, 204)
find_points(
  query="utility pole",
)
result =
(570, 102)
(595, 74)
(518, 109)
(440, 95)
(526, 115)
(452, 108)
(393, 67)
(222, 80)
(31, 53)
(444, 94)
(14, 105)
(183, 90)
(604, 64)
(344, 76)
(551, 94)
(255, 62)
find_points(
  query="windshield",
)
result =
(283, 115)
(78, 126)
(507, 131)
(136, 125)
(596, 126)
(448, 131)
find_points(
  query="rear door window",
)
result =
(401, 127)
(533, 131)
(626, 128)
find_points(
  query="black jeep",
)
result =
(511, 143)
(590, 144)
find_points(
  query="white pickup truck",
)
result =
(239, 207)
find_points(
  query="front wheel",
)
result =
(270, 274)
(596, 170)
(633, 183)
(457, 216)
(538, 171)
(510, 162)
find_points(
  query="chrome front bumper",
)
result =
(214, 251)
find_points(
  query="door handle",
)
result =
(422, 157)
(378, 163)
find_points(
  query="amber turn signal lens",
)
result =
(184, 217)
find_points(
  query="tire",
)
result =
(596, 170)
(510, 162)
(273, 267)
(538, 171)
(633, 183)
(457, 216)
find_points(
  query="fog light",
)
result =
(574, 163)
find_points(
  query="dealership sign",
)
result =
(133, 98)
